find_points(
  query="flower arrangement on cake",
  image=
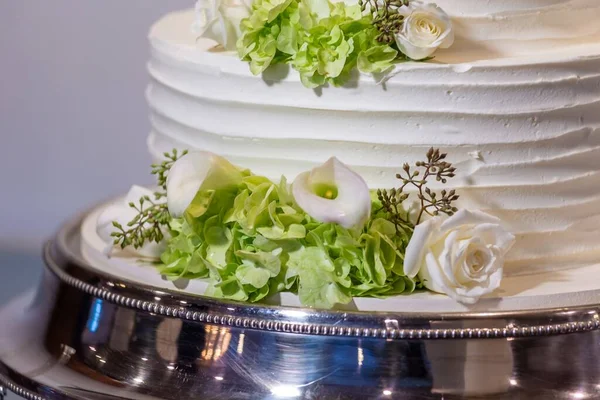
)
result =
(326, 236)
(325, 41)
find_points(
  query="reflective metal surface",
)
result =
(86, 336)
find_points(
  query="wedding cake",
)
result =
(496, 103)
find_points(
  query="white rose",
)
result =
(220, 20)
(461, 256)
(425, 29)
(122, 213)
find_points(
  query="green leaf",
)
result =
(320, 8)
(196, 265)
(377, 59)
(319, 290)
(230, 289)
(200, 204)
(342, 272)
(284, 193)
(219, 239)
(249, 274)
(286, 223)
(274, 7)
(259, 294)
(175, 264)
(316, 273)
(373, 261)
(287, 41)
(257, 268)
(276, 233)
(238, 212)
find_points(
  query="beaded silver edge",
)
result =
(7, 384)
(509, 331)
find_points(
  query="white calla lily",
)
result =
(220, 20)
(193, 171)
(122, 213)
(333, 193)
(461, 256)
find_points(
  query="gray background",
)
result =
(73, 118)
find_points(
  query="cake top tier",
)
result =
(501, 28)
(489, 7)
(483, 29)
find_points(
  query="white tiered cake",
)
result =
(515, 103)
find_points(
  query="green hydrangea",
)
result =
(249, 240)
(323, 41)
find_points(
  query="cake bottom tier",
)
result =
(568, 286)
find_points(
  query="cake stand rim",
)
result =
(26, 390)
(74, 271)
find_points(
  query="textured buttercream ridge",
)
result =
(588, 132)
(489, 84)
(223, 63)
(535, 188)
(582, 187)
(554, 263)
(533, 11)
(521, 70)
(409, 131)
(549, 248)
(547, 170)
(400, 127)
(462, 8)
(569, 216)
(309, 148)
(595, 102)
(537, 168)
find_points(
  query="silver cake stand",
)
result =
(87, 335)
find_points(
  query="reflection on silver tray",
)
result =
(91, 336)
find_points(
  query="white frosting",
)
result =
(501, 28)
(516, 106)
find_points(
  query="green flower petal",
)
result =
(376, 59)
(257, 268)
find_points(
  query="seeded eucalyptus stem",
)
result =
(386, 17)
(152, 216)
(147, 225)
(442, 170)
(430, 202)
(162, 170)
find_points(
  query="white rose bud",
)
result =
(461, 256)
(220, 20)
(425, 29)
